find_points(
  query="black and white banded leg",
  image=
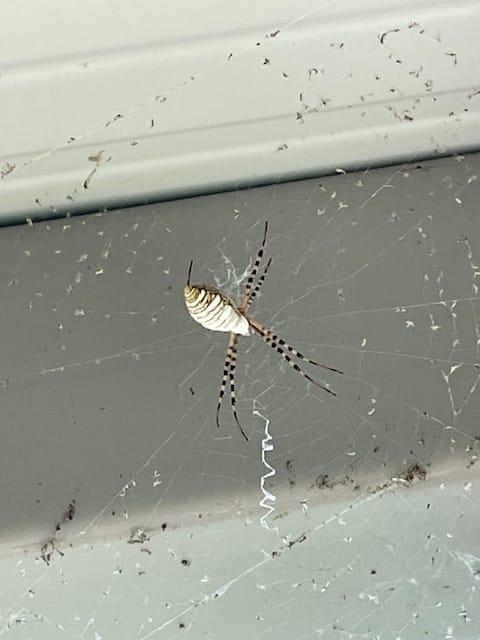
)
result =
(251, 278)
(229, 376)
(280, 346)
(258, 286)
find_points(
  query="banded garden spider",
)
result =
(216, 311)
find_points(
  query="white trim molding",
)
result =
(106, 104)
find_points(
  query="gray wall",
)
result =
(125, 513)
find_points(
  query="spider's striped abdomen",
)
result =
(214, 310)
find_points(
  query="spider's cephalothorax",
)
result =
(216, 311)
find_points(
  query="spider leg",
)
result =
(251, 278)
(229, 374)
(226, 371)
(258, 286)
(233, 397)
(273, 341)
(261, 328)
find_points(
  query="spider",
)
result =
(216, 311)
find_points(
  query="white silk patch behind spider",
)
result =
(216, 311)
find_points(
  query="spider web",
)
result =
(372, 494)
(353, 516)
